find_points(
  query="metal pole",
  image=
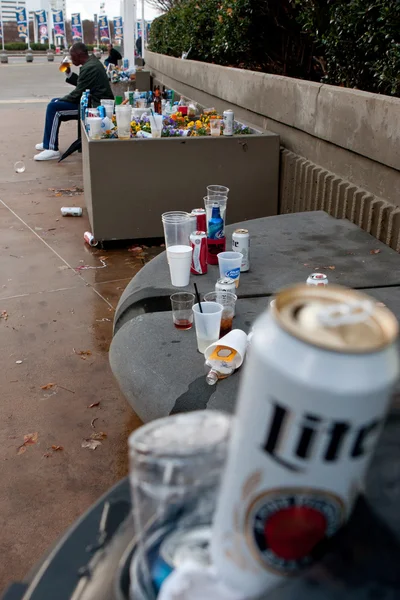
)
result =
(49, 29)
(143, 33)
(2, 25)
(35, 28)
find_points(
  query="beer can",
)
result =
(226, 284)
(201, 218)
(229, 119)
(176, 548)
(89, 238)
(241, 243)
(310, 409)
(198, 241)
(71, 211)
(317, 279)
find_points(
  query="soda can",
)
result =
(198, 241)
(177, 547)
(226, 284)
(303, 438)
(241, 243)
(229, 119)
(201, 218)
(102, 111)
(71, 211)
(317, 279)
(89, 238)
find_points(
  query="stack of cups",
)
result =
(123, 114)
(94, 127)
(215, 205)
(178, 226)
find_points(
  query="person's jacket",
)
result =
(93, 77)
(113, 57)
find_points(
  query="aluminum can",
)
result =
(303, 436)
(241, 243)
(198, 241)
(229, 119)
(317, 279)
(101, 111)
(89, 238)
(71, 211)
(226, 284)
(201, 218)
(179, 546)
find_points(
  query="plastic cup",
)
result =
(123, 114)
(156, 122)
(229, 265)
(109, 106)
(207, 323)
(182, 314)
(178, 225)
(215, 127)
(219, 190)
(179, 260)
(107, 102)
(94, 126)
(228, 301)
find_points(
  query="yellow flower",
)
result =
(191, 124)
(199, 124)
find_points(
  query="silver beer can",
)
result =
(225, 284)
(313, 397)
(241, 243)
(71, 211)
(229, 119)
(317, 279)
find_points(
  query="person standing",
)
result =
(113, 56)
(92, 77)
(139, 46)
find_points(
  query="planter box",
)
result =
(143, 83)
(130, 183)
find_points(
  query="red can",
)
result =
(89, 238)
(214, 247)
(200, 214)
(198, 241)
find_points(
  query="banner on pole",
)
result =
(58, 21)
(22, 23)
(118, 29)
(41, 19)
(104, 29)
(76, 27)
(96, 29)
(1, 27)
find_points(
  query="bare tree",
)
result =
(163, 5)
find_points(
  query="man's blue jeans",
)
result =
(57, 111)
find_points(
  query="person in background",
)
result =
(113, 56)
(93, 77)
(139, 46)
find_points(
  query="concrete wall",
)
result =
(353, 137)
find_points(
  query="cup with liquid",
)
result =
(182, 313)
(208, 323)
(65, 65)
(228, 301)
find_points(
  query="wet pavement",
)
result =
(57, 301)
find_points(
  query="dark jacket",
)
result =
(93, 77)
(113, 57)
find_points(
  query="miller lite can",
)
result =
(198, 241)
(229, 119)
(226, 284)
(241, 243)
(316, 386)
(201, 218)
(317, 279)
(71, 211)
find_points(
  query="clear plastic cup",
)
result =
(228, 301)
(179, 261)
(123, 113)
(229, 265)
(208, 324)
(215, 127)
(156, 123)
(178, 225)
(220, 190)
(182, 314)
(94, 126)
(215, 200)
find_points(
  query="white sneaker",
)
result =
(39, 147)
(48, 155)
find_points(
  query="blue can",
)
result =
(215, 225)
(102, 111)
(125, 63)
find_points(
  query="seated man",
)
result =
(113, 56)
(92, 77)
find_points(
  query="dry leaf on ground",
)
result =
(21, 449)
(48, 386)
(100, 435)
(94, 404)
(82, 353)
(332, 268)
(90, 444)
(377, 251)
(135, 249)
(57, 448)
(31, 438)
(4, 315)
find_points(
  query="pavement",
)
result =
(57, 302)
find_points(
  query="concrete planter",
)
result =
(142, 82)
(130, 183)
(50, 56)
(3, 58)
(29, 56)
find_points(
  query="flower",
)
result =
(199, 124)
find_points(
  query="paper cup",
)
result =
(156, 123)
(236, 340)
(94, 125)
(207, 323)
(179, 260)
(123, 114)
(229, 265)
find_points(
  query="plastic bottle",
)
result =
(213, 376)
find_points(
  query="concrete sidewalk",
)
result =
(52, 310)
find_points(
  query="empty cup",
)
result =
(219, 190)
(207, 324)
(215, 127)
(123, 114)
(178, 225)
(179, 260)
(229, 265)
(94, 127)
(156, 122)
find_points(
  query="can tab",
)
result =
(336, 315)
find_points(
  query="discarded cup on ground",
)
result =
(94, 127)
(19, 166)
(182, 314)
(229, 265)
(215, 127)
(228, 301)
(156, 122)
(179, 260)
(219, 190)
(123, 114)
(207, 324)
(178, 225)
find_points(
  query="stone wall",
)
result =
(340, 147)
